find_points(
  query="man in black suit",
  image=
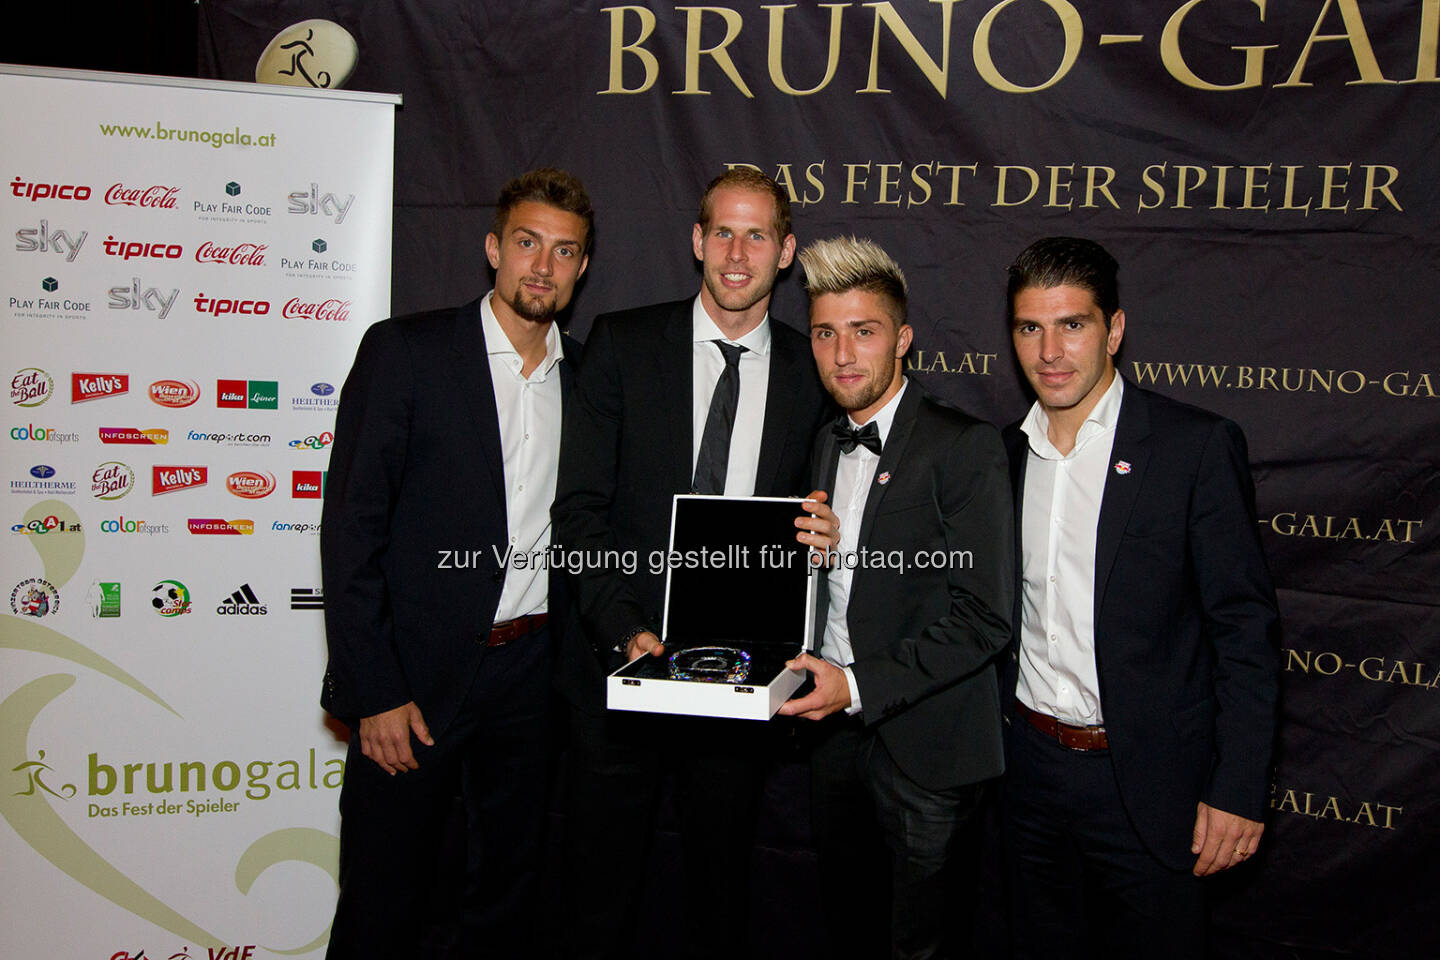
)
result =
(441, 476)
(706, 394)
(1140, 692)
(914, 608)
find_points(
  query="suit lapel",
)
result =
(891, 456)
(676, 365)
(476, 391)
(780, 396)
(1131, 447)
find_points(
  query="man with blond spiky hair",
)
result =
(914, 607)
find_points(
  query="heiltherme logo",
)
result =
(214, 138)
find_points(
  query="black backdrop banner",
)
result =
(1267, 174)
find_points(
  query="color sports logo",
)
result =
(42, 434)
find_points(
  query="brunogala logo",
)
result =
(170, 598)
(36, 597)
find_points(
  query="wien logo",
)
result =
(243, 602)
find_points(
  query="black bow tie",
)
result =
(867, 436)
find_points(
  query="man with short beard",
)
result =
(643, 425)
(910, 615)
(446, 449)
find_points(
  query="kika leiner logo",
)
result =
(30, 387)
(34, 772)
(103, 598)
(243, 602)
(170, 598)
(36, 597)
(248, 394)
(307, 484)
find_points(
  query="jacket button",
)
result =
(498, 576)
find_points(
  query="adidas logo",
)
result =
(306, 598)
(243, 602)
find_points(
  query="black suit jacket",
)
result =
(627, 451)
(416, 470)
(1185, 620)
(925, 636)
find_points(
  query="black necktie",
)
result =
(714, 456)
(867, 436)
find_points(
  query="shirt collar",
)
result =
(498, 344)
(885, 416)
(703, 328)
(1101, 421)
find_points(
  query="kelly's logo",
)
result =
(93, 386)
(168, 479)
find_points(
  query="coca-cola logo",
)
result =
(111, 480)
(240, 255)
(169, 478)
(158, 197)
(334, 310)
(250, 484)
(174, 393)
(31, 387)
(93, 386)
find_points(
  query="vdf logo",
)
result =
(243, 602)
(170, 598)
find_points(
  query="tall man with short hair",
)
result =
(1141, 687)
(446, 448)
(914, 608)
(706, 394)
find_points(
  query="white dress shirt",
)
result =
(854, 478)
(529, 411)
(709, 363)
(1059, 517)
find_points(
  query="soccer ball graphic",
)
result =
(170, 598)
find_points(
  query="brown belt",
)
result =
(1068, 734)
(503, 633)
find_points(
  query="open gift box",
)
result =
(739, 603)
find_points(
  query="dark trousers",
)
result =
(495, 757)
(1081, 882)
(615, 768)
(897, 861)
